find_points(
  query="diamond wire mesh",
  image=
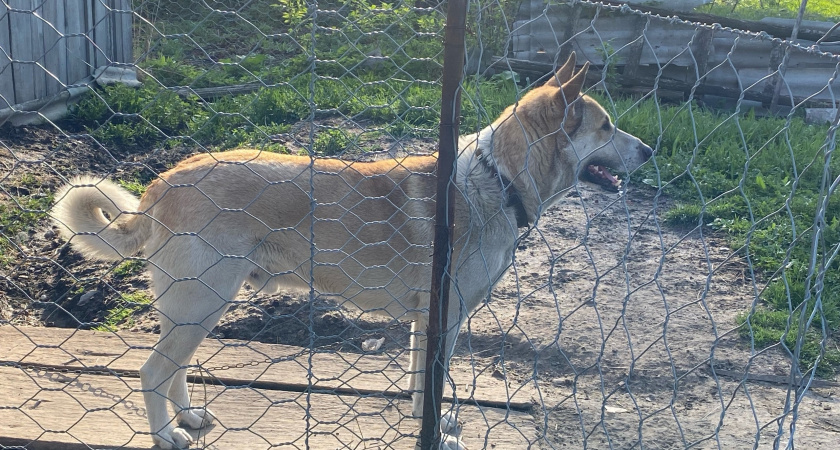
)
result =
(664, 315)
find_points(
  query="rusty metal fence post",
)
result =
(453, 70)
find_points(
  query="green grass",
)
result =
(120, 316)
(129, 267)
(758, 182)
(822, 10)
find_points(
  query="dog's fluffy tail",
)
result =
(100, 218)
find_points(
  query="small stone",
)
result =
(558, 382)
(86, 297)
(49, 234)
(372, 345)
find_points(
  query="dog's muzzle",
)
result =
(645, 151)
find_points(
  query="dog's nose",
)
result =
(646, 151)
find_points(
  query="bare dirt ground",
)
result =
(625, 328)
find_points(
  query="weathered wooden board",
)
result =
(123, 34)
(55, 53)
(102, 38)
(651, 48)
(242, 362)
(76, 43)
(7, 89)
(51, 410)
(22, 50)
(49, 45)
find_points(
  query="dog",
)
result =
(356, 231)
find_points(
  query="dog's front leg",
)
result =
(186, 416)
(156, 377)
(417, 366)
(417, 377)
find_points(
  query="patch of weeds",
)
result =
(123, 116)
(169, 71)
(261, 137)
(19, 217)
(135, 187)
(331, 142)
(129, 267)
(90, 110)
(767, 327)
(120, 316)
(292, 11)
(683, 215)
(281, 104)
(28, 180)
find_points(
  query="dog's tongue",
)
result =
(603, 175)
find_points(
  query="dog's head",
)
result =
(555, 136)
(600, 147)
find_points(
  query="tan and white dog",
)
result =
(356, 231)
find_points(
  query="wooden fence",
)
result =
(50, 46)
(678, 55)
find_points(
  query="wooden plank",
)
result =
(242, 362)
(53, 15)
(69, 411)
(39, 50)
(635, 48)
(716, 83)
(703, 48)
(88, 25)
(102, 34)
(22, 51)
(7, 90)
(76, 41)
(123, 31)
(116, 37)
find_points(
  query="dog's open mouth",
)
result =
(601, 175)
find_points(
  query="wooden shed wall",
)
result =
(648, 46)
(50, 45)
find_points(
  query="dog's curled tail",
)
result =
(100, 218)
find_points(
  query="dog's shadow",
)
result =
(296, 321)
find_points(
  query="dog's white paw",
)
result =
(450, 430)
(451, 443)
(172, 438)
(195, 418)
(450, 425)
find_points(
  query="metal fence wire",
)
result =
(606, 297)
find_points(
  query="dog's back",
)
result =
(345, 227)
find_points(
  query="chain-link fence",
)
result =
(287, 147)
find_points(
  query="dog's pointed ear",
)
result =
(572, 88)
(563, 73)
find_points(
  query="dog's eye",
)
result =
(607, 126)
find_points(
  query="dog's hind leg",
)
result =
(189, 309)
